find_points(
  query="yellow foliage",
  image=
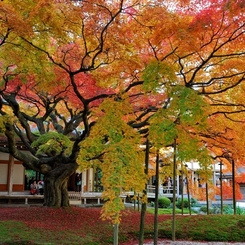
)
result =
(200, 192)
(116, 146)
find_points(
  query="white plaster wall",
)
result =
(193, 165)
(18, 176)
(217, 166)
(4, 156)
(3, 173)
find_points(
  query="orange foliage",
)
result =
(240, 179)
(228, 191)
(200, 192)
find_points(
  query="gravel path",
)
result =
(179, 242)
(169, 242)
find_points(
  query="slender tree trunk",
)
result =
(156, 201)
(144, 204)
(174, 193)
(142, 223)
(138, 198)
(233, 185)
(221, 189)
(182, 190)
(182, 198)
(55, 185)
(188, 195)
(134, 201)
(207, 199)
(115, 234)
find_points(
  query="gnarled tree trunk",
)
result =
(56, 170)
(55, 185)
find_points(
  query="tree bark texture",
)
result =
(56, 171)
(144, 204)
(55, 185)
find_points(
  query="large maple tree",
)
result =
(61, 59)
(51, 62)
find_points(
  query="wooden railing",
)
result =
(162, 189)
(20, 197)
(84, 196)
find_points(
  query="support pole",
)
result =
(207, 200)
(144, 205)
(221, 189)
(174, 193)
(156, 201)
(115, 234)
(233, 185)
(188, 195)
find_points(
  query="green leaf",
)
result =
(191, 107)
(183, 120)
(53, 143)
(156, 74)
(162, 131)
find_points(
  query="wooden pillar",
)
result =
(87, 180)
(91, 181)
(10, 174)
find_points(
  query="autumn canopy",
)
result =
(84, 83)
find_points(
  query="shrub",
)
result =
(194, 202)
(185, 203)
(164, 202)
(227, 209)
(203, 209)
(215, 210)
(240, 211)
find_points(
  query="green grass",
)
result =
(207, 228)
(168, 210)
(12, 232)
